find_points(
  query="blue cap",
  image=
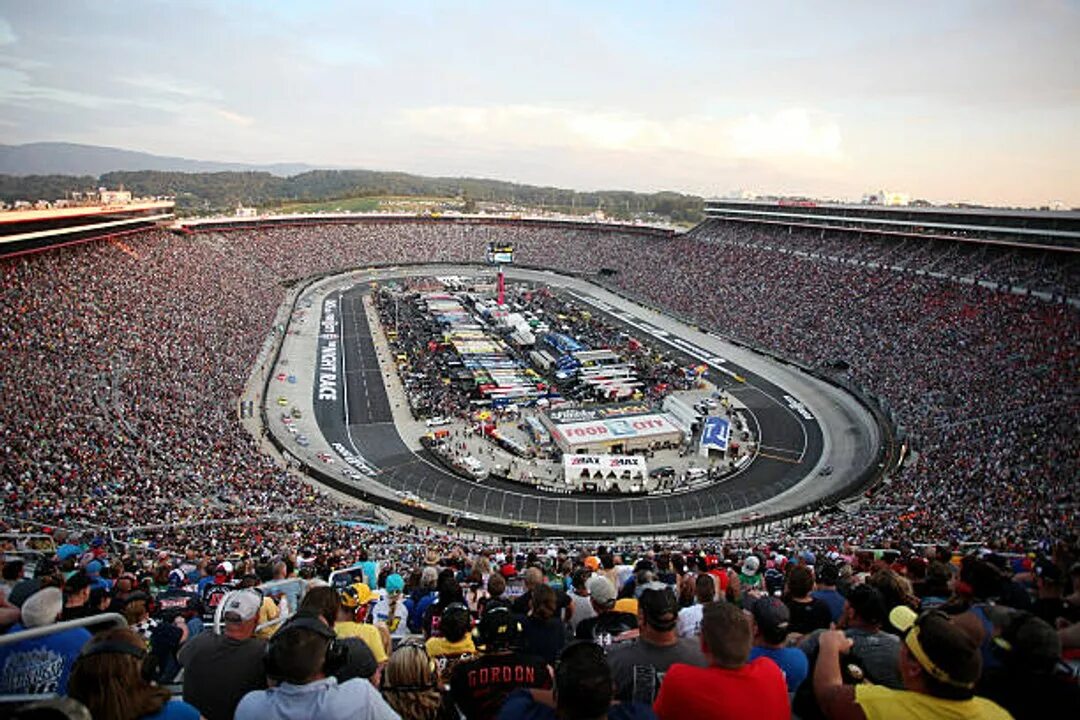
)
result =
(93, 567)
(395, 583)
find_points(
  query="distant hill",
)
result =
(61, 158)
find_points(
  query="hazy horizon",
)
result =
(963, 102)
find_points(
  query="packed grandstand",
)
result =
(125, 469)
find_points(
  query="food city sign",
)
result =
(632, 427)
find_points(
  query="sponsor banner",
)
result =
(715, 434)
(618, 428)
(563, 416)
(327, 371)
(576, 467)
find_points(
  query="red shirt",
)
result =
(756, 690)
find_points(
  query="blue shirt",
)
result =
(174, 710)
(324, 699)
(41, 665)
(791, 661)
(833, 599)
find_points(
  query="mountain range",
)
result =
(62, 158)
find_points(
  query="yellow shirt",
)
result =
(881, 703)
(440, 646)
(268, 611)
(368, 633)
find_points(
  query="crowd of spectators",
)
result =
(125, 361)
(769, 630)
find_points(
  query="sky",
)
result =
(958, 101)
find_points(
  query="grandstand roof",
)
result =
(1032, 228)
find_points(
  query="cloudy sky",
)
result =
(965, 100)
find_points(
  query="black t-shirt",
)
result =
(605, 627)
(807, 617)
(543, 638)
(219, 671)
(479, 686)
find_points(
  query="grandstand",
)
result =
(130, 442)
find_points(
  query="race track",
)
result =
(804, 425)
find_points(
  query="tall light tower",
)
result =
(500, 254)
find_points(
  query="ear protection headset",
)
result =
(148, 668)
(433, 670)
(337, 653)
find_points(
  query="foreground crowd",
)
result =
(578, 633)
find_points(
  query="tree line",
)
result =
(222, 191)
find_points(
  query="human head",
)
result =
(498, 629)
(534, 577)
(322, 602)
(241, 613)
(725, 635)
(110, 677)
(800, 581)
(428, 577)
(658, 609)
(937, 657)
(771, 619)
(601, 593)
(704, 588)
(297, 652)
(410, 682)
(496, 585)
(455, 622)
(864, 606)
(43, 607)
(542, 604)
(583, 684)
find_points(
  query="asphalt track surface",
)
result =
(791, 447)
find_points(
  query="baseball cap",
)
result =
(356, 595)
(601, 590)
(241, 606)
(592, 562)
(751, 565)
(498, 628)
(23, 590)
(772, 618)
(395, 583)
(225, 568)
(943, 650)
(659, 606)
(43, 607)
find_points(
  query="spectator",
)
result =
(940, 665)
(77, 598)
(496, 586)
(607, 624)
(411, 685)
(391, 610)
(638, 665)
(543, 632)
(582, 606)
(807, 613)
(302, 656)
(220, 669)
(1031, 683)
(479, 686)
(771, 622)
(689, 625)
(583, 691)
(352, 610)
(825, 589)
(730, 687)
(40, 665)
(454, 642)
(324, 603)
(110, 679)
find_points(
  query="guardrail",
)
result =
(113, 619)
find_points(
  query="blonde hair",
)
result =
(410, 683)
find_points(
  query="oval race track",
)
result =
(804, 423)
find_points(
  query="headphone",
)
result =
(148, 667)
(433, 670)
(337, 653)
(511, 622)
